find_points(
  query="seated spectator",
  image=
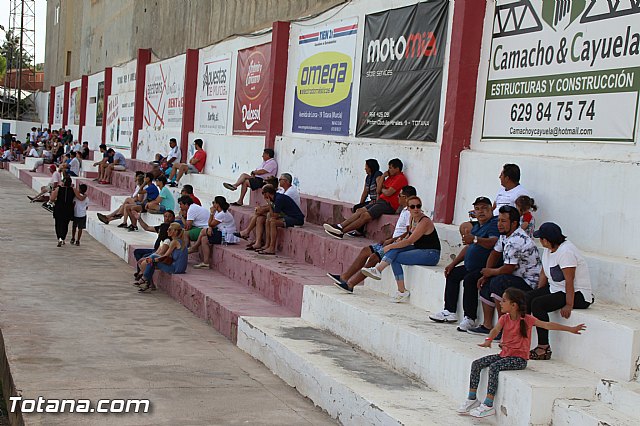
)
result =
(76, 146)
(74, 164)
(371, 255)
(564, 283)
(256, 179)
(136, 197)
(161, 230)
(260, 215)
(85, 150)
(80, 207)
(118, 164)
(370, 191)
(173, 260)
(45, 158)
(525, 206)
(188, 190)
(197, 217)
(196, 164)
(103, 163)
(173, 157)
(45, 191)
(33, 152)
(420, 247)
(150, 192)
(7, 156)
(477, 247)
(284, 213)
(287, 188)
(164, 201)
(521, 268)
(393, 180)
(221, 230)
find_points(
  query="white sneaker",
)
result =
(400, 297)
(482, 411)
(444, 316)
(468, 405)
(466, 324)
(371, 273)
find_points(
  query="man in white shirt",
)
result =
(74, 164)
(197, 217)
(47, 158)
(511, 188)
(76, 146)
(33, 152)
(173, 157)
(287, 188)
(256, 179)
(369, 256)
(56, 179)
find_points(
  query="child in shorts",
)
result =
(80, 206)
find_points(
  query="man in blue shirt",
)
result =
(477, 247)
(284, 213)
(150, 192)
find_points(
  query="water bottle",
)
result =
(224, 238)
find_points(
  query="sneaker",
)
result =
(335, 277)
(201, 265)
(77, 242)
(400, 297)
(337, 235)
(498, 338)
(73, 241)
(480, 330)
(444, 316)
(355, 234)
(229, 186)
(343, 285)
(372, 273)
(466, 324)
(482, 411)
(173, 184)
(123, 225)
(59, 242)
(132, 228)
(335, 228)
(468, 405)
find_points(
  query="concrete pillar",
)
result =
(52, 105)
(464, 58)
(84, 87)
(144, 58)
(277, 81)
(107, 93)
(189, 101)
(65, 105)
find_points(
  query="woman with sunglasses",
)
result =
(420, 246)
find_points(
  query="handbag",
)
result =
(167, 260)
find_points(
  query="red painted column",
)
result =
(107, 93)
(144, 58)
(52, 106)
(84, 86)
(65, 106)
(189, 100)
(277, 81)
(464, 59)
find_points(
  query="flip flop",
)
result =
(267, 253)
(236, 204)
(239, 235)
(250, 248)
(229, 186)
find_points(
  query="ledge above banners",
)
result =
(253, 93)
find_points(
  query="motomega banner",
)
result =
(324, 82)
(564, 70)
(164, 94)
(401, 73)
(213, 93)
(253, 97)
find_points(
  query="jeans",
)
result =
(469, 294)
(139, 254)
(494, 288)
(410, 256)
(151, 268)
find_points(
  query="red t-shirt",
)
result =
(513, 344)
(396, 182)
(195, 199)
(201, 159)
(527, 217)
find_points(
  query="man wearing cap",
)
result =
(477, 247)
(521, 267)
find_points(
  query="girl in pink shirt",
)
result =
(516, 327)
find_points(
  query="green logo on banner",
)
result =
(558, 13)
(324, 79)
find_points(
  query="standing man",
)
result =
(195, 165)
(256, 179)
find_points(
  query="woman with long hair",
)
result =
(173, 260)
(63, 197)
(221, 226)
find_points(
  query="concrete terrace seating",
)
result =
(365, 360)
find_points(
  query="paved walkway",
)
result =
(74, 327)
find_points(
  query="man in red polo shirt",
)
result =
(389, 185)
(196, 164)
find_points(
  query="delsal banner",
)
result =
(401, 73)
(253, 97)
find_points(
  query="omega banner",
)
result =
(564, 70)
(324, 82)
(253, 98)
(401, 75)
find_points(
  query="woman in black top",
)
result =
(418, 246)
(63, 197)
(370, 190)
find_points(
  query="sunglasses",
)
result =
(415, 206)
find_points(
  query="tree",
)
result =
(10, 48)
(3, 66)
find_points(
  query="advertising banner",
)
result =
(100, 103)
(213, 94)
(164, 94)
(119, 120)
(253, 97)
(74, 105)
(58, 107)
(564, 71)
(401, 73)
(324, 82)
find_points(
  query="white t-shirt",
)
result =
(402, 223)
(566, 256)
(227, 225)
(292, 192)
(508, 198)
(77, 147)
(80, 207)
(74, 166)
(271, 166)
(175, 153)
(33, 153)
(199, 215)
(55, 178)
(46, 154)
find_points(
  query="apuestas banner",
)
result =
(253, 96)
(324, 82)
(564, 71)
(401, 73)
(213, 93)
(164, 94)
(75, 89)
(58, 106)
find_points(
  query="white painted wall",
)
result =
(41, 100)
(333, 167)
(21, 128)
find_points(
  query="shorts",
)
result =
(256, 183)
(194, 233)
(379, 208)
(72, 174)
(378, 250)
(215, 237)
(80, 222)
(119, 168)
(290, 222)
(192, 169)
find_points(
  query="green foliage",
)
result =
(10, 48)
(3, 66)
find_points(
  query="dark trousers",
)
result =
(140, 253)
(541, 301)
(469, 293)
(62, 227)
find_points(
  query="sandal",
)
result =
(145, 287)
(239, 235)
(534, 355)
(122, 225)
(236, 204)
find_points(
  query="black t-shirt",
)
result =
(162, 231)
(284, 204)
(85, 152)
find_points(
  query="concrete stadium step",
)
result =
(104, 194)
(118, 240)
(571, 412)
(218, 300)
(623, 397)
(403, 336)
(352, 386)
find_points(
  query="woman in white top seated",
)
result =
(221, 230)
(564, 283)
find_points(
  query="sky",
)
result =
(41, 23)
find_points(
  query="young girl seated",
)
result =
(526, 205)
(516, 327)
